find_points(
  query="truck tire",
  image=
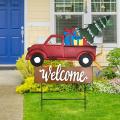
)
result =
(85, 60)
(37, 60)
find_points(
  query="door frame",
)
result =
(25, 24)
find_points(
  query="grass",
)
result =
(99, 107)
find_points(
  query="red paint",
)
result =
(61, 52)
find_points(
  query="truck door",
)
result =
(54, 47)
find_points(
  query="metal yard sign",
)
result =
(60, 74)
(63, 75)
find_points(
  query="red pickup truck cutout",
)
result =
(54, 48)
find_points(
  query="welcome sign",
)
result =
(61, 74)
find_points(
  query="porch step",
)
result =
(7, 67)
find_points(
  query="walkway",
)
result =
(11, 104)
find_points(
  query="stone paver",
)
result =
(11, 104)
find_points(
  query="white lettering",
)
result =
(62, 75)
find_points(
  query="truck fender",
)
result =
(29, 55)
(86, 52)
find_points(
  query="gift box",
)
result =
(78, 42)
(68, 40)
(71, 38)
(81, 42)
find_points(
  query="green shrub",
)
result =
(30, 86)
(25, 67)
(100, 78)
(113, 58)
(55, 63)
(113, 69)
(108, 73)
(106, 87)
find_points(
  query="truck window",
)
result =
(55, 41)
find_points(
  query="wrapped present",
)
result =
(71, 37)
(78, 42)
(81, 42)
(75, 42)
(68, 40)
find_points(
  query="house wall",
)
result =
(38, 21)
(101, 59)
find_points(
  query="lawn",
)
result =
(99, 107)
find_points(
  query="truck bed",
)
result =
(76, 50)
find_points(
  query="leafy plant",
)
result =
(25, 67)
(104, 87)
(107, 87)
(55, 63)
(113, 58)
(30, 86)
(108, 73)
(113, 69)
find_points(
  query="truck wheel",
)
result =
(37, 60)
(85, 60)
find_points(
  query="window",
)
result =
(55, 41)
(98, 7)
(67, 21)
(68, 5)
(103, 5)
(109, 33)
(71, 13)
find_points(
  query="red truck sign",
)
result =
(54, 48)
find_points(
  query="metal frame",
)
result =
(80, 99)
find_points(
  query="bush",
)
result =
(103, 87)
(113, 69)
(113, 58)
(25, 67)
(55, 63)
(108, 73)
(107, 87)
(30, 86)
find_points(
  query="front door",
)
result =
(11, 30)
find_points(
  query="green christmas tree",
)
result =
(93, 29)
